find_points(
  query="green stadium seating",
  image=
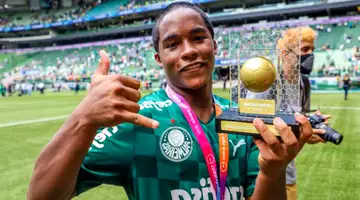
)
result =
(26, 18)
(109, 7)
(9, 61)
(50, 61)
(336, 37)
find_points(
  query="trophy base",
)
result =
(234, 122)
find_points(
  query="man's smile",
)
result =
(193, 67)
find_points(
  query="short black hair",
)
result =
(174, 6)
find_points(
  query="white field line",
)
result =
(33, 121)
(339, 107)
(65, 116)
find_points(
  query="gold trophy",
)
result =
(264, 83)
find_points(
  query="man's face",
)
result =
(186, 49)
(306, 48)
(291, 59)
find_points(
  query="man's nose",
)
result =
(190, 52)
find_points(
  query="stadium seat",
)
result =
(109, 7)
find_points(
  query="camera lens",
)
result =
(331, 135)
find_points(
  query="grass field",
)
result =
(325, 171)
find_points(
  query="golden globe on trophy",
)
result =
(264, 81)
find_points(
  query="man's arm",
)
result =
(56, 169)
(269, 188)
(275, 156)
(110, 101)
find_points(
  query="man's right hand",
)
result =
(315, 138)
(112, 99)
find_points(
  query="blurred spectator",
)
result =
(41, 87)
(2, 90)
(51, 15)
(356, 53)
(77, 86)
(346, 85)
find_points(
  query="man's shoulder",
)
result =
(222, 102)
(154, 96)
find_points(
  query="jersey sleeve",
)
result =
(252, 167)
(109, 158)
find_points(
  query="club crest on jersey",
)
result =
(176, 144)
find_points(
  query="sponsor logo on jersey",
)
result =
(176, 144)
(206, 191)
(237, 145)
(101, 136)
(158, 105)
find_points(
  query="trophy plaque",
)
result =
(264, 81)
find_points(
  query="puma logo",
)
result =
(239, 144)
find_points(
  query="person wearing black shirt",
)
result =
(346, 85)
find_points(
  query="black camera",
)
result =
(331, 135)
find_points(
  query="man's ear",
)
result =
(215, 48)
(158, 59)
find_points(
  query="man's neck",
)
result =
(200, 100)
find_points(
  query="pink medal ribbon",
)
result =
(205, 145)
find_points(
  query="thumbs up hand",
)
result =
(112, 99)
(104, 65)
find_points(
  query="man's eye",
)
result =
(306, 49)
(199, 38)
(170, 46)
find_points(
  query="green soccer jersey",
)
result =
(167, 162)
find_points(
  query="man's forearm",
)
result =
(57, 167)
(270, 188)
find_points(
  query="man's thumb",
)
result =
(104, 64)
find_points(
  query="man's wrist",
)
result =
(270, 186)
(81, 117)
(273, 176)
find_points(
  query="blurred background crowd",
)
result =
(62, 64)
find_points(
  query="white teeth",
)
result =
(193, 66)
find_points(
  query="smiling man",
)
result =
(177, 156)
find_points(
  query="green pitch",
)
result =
(325, 171)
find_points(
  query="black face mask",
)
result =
(307, 63)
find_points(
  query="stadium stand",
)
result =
(335, 54)
(134, 57)
(108, 7)
(90, 10)
(10, 61)
(338, 36)
(43, 16)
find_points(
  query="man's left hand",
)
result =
(326, 117)
(275, 156)
(315, 138)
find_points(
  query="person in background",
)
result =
(10, 88)
(224, 75)
(2, 90)
(290, 50)
(41, 87)
(77, 86)
(163, 83)
(23, 90)
(346, 85)
(28, 89)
